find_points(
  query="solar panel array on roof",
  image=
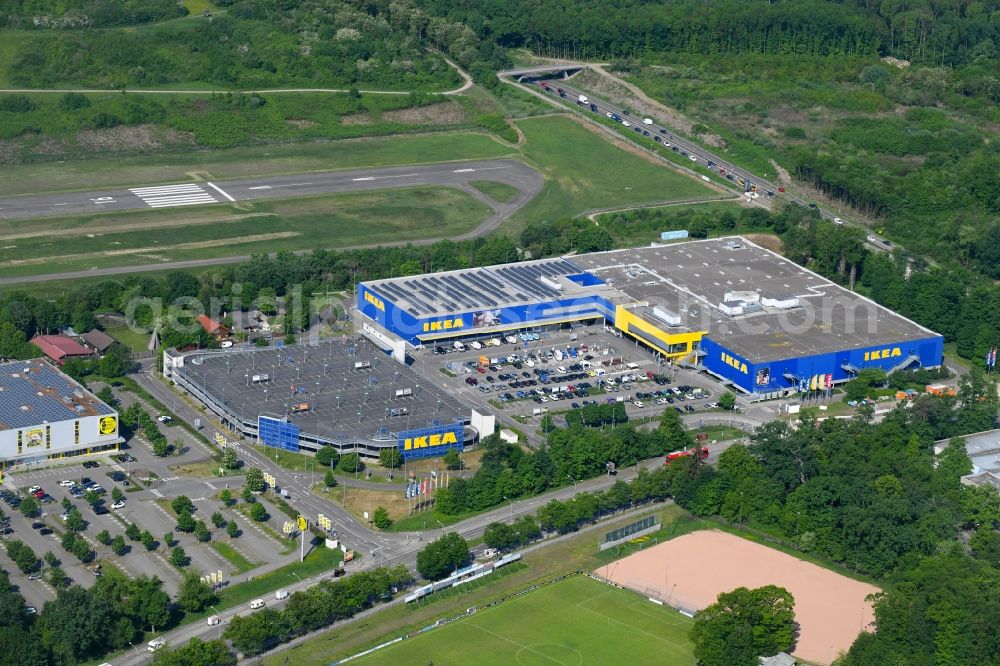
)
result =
(42, 394)
(476, 288)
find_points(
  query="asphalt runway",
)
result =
(525, 179)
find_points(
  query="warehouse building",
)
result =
(752, 318)
(345, 393)
(46, 415)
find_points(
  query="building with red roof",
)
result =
(60, 347)
(212, 327)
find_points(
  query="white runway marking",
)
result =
(220, 191)
(164, 196)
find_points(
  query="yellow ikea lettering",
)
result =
(878, 354)
(374, 300)
(443, 325)
(427, 441)
(734, 362)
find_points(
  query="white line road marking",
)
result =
(463, 170)
(184, 194)
(260, 187)
(220, 191)
(493, 168)
(294, 185)
(366, 178)
(58, 204)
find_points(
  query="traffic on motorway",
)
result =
(653, 131)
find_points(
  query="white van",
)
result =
(632, 366)
(256, 604)
(281, 594)
(155, 644)
(214, 620)
(459, 346)
(476, 344)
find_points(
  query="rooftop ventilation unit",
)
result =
(551, 284)
(667, 317)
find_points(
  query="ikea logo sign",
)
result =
(443, 325)
(879, 354)
(429, 441)
(375, 300)
(734, 362)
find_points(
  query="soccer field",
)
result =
(575, 622)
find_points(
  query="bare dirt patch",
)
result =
(142, 138)
(355, 119)
(300, 123)
(692, 570)
(442, 113)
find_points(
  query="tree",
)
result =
(743, 625)
(194, 596)
(24, 557)
(29, 507)
(329, 480)
(168, 539)
(727, 401)
(117, 361)
(182, 504)
(103, 537)
(351, 463)
(443, 556)
(185, 523)
(75, 626)
(118, 546)
(179, 558)
(226, 497)
(160, 447)
(229, 458)
(92, 497)
(254, 480)
(75, 521)
(452, 460)
(381, 518)
(248, 496)
(107, 396)
(258, 512)
(51, 559)
(196, 653)
(201, 531)
(327, 455)
(232, 529)
(390, 458)
(500, 536)
(132, 532)
(148, 542)
(218, 520)
(116, 494)
(58, 578)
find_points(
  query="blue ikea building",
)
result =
(757, 321)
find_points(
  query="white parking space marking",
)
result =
(220, 191)
(164, 196)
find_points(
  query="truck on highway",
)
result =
(583, 99)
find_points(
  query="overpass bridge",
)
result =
(565, 69)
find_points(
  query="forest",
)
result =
(943, 33)
(62, 14)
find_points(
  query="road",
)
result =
(700, 155)
(378, 548)
(525, 179)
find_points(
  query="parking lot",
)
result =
(554, 371)
(143, 505)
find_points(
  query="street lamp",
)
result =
(511, 508)
(573, 480)
(136, 653)
(297, 576)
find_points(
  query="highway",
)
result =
(702, 157)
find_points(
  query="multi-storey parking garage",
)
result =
(345, 393)
(754, 319)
